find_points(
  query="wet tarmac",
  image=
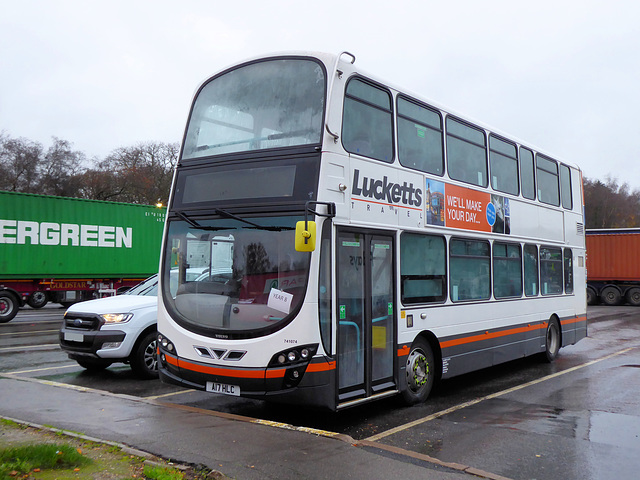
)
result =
(576, 418)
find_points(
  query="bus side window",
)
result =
(367, 123)
(507, 270)
(565, 183)
(420, 137)
(504, 166)
(568, 270)
(551, 270)
(470, 275)
(466, 153)
(527, 174)
(423, 270)
(548, 186)
(531, 270)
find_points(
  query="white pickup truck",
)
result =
(97, 333)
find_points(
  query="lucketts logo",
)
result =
(383, 190)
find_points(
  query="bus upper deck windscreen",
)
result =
(269, 104)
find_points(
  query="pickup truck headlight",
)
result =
(117, 317)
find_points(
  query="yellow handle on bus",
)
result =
(305, 236)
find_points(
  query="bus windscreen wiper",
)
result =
(224, 213)
(195, 224)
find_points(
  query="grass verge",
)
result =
(39, 454)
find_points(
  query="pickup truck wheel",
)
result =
(93, 364)
(8, 307)
(37, 299)
(144, 359)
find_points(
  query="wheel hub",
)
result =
(417, 370)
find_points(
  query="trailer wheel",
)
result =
(37, 299)
(633, 296)
(144, 359)
(592, 296)
(9, 306)
(420, 372)
(610, 296)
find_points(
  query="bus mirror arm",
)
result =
(335, 136)
(305, 240)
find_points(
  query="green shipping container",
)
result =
(56, 237)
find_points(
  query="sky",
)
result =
(560, 75)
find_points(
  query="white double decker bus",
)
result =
(332, 239)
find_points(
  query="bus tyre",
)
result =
(633, 296)
(93, 364)
(552, 343)
(37, 299)
(420, 372)
(610, 296)
(144, 358)
(8, 306)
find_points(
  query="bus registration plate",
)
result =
(223, 388)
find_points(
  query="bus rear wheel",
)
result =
(420, 372)
(552, 343)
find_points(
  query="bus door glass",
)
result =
(366, 326)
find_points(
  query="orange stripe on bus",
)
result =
(225, 372)
(275, 373)
(269, 373)
(321, 367)
(573, 320)
(492, 335)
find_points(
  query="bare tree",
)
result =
(60, 169)
(141, 174)
(19, 159)
(610, 205)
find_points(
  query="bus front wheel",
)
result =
(420, 372)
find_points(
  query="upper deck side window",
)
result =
(504, 166)
(466, 153)
(548, 185)
(420, 144)
(269, 104)
(565, 183)
(527, 174)
(367, 122)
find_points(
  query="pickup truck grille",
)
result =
(82, 321)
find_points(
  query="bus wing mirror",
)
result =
(305, 236)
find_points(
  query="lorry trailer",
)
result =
(613, 266)
(65, 250)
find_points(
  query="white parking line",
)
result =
(433, 416)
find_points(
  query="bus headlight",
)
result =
(166, 344)
(301, 354)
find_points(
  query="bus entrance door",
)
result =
(366, 306)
